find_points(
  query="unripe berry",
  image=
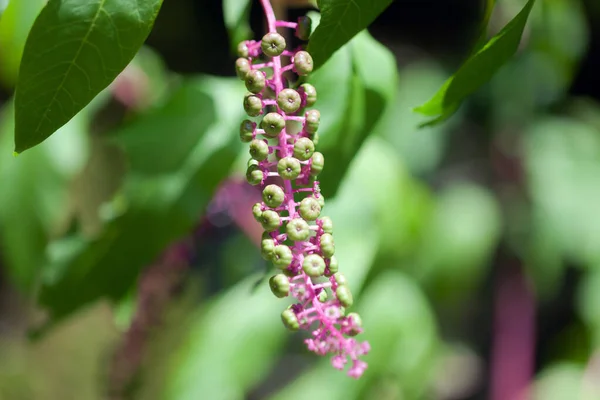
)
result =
(289, 100)
(282, 256)
(355, 322)
(252, 105)
(247, 130)
(257, 211)
(280, 285)
(273, 44)
(313, 265)
(309, 209)
(259, 150)
(270, 220)
(242, 49)
(327, 245)
(273, 123)
(308, 94)
(322, 296)
(327, 224)
(315, 138)
(303, 63)
(255, 81)
(317, 164)
(320, 199)
(289, 168)
(340, 279)
(297, 230)
(273, 196)
(303, 148)
(242, 67)
(267, 246)
(312, 121)
(303, 28)
(254, 175)
(333, 266)
(344, 295)
(290, 320)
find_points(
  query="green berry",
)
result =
(344, 295)
(242, 67)
(289, 100)
(322, 296)
(289, 168)
(316, 166)
(242, 49)
(273, 196)
(309, 209)
(303, 28)
(254, 175)
(270, 220)
(327, 225)
(252, 105)
(340, 279)
(308, 94)
(247, 128)
(297, 230)
(273, 123)
(267, 246)
(290, 320)
(303, 63)
(282, 256)
(289, 273)
(313, 265)
(257, 211)
(355, 323)
(280, 285)
(259, 150)
(255, 81)
(315, 139)
(312, 121)
(320, 199)
(333, 266)
(303, 148)
(327, 245)
(273, 44)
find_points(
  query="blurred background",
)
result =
(129, 266)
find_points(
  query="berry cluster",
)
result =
(297, 239)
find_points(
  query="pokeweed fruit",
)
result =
(298, 240)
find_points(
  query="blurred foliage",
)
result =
(426, 217)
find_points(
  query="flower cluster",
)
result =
(297, 239)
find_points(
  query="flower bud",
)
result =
(297, 230)
(290, 320)
(312, 121)
(303, 148)
(254, 175)
(303, 63)
(317, 163)
(303, 28)
(309, 209)
(344, 295)
(247, 130)
(273, 44)
(355, 324)
(282, 256)
(273, 123)
(289, 100)
(255, 81)
(259, 150)
(270, 220)
(327, 245)
(289, 168)
(313, 265)
(280, 285)
(242, 67)
(252, 105)
(308, 93)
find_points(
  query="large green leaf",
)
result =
(152, 210)
(341, 20)
(15, 24)
(74, 50)
(478, 69)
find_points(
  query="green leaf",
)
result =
(477, 70)
(236, 14)
(15, 24)
(151, 211)
(341, 20)
(75, 49)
